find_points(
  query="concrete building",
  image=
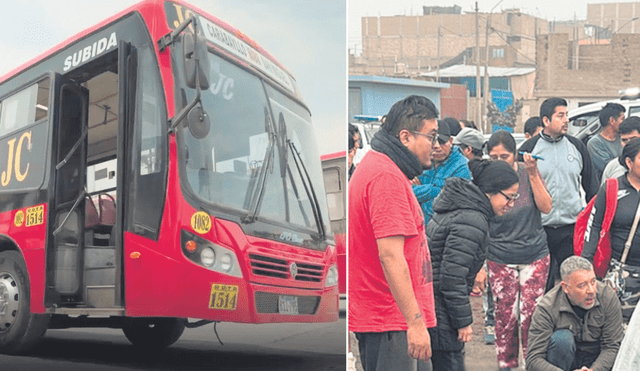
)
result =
(409, 45)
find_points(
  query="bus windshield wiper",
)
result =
(308, 187)
(253, 198)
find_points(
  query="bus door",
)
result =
(68, 203)
(127, 73)
(91, 140)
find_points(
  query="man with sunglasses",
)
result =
(448, 162)
(391, 301)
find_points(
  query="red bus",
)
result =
(334, 167)
(159, 167)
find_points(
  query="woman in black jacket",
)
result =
(458, 236)
(628, 203)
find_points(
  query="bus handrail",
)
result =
(75, 205)
(73, 149)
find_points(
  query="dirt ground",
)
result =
(479, 356)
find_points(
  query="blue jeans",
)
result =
(488, 307)
(562, 352)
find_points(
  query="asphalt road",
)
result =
(248, 347)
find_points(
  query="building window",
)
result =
(498, 53)
(512, 39)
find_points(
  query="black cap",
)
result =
(443, 131)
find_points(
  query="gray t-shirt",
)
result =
(602, 151)
(613, 170)
(518, 236)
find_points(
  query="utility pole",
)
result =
(438, 61)
(485, 98)
(478, 105)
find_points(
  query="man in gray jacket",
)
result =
(577, 325)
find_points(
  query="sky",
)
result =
(547, 9)
(307, 37)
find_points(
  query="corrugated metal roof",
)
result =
(461, 70)
(399, 81)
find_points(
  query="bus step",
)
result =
(100, 312)
(99, 266)
(101, 296)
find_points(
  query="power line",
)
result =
(516, 50)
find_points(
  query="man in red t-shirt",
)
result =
(390, 279)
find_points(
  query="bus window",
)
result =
(25, 107)
(333, 186)
(149, 115)
(149, 147)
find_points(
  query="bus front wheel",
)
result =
(153, 333)
(19, 328)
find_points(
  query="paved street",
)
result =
(314, 347)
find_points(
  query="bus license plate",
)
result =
(288, 305)
(35, 215)
(223, 297)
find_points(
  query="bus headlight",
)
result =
(332, 277)
(226, 262)
(207, 257)
(210, 255)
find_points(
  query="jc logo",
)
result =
(14, 158)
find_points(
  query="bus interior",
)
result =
(86, 260)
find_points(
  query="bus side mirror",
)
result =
(198, 122)
(196, 58)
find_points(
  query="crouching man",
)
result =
(577, 325)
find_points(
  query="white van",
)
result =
(368, 127)
(584, 121)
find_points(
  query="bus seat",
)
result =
(91, 213)
(107, 210)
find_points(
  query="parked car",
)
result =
(368, 126)
(584, 121)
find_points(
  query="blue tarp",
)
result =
(502, 98)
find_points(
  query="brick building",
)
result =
(615, 17)
(601, 69)
(408, 45)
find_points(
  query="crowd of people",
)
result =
(437, 214)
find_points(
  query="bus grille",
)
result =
(272, 267)
(267, 302)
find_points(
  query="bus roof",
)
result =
(145, 7)
(331, 156)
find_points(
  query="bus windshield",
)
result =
(260, 157)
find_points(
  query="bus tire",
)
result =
(20, 329)
(153, 333)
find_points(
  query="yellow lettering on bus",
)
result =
(6, 175)
(182, 17)
(19, 175)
